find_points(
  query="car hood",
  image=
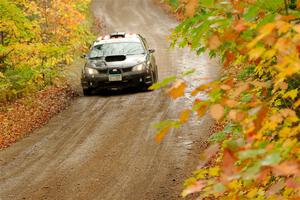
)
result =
(130, 61)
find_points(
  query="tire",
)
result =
(153, 80)
(156, 76)
(87, 92)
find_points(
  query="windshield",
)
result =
(124, 48)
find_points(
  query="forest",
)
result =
(257, 99)
(37, 39)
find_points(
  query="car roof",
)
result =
(117, 40)
(118, 37)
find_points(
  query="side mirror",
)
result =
(83, 56)
(151, 50)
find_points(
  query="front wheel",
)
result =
(87, 92)
(153, 80)
(155, 76)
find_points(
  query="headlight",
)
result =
(91, 71)
(139, 67)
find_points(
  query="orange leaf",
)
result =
(217, 111)
(177, 90)
(207, 155)
(225, 87)
(199, 89)
(191, 7)
(231, 103)
(214, 42)
(162, 133)
(202, 110)
(236, 115)
(286, 168)
(264, 173)
(239, 26)
(240, 89)
(275, 188)
(292, 183)
(230, 35)
(184, 116)
(228, 165)
(195, 187)
(229, 57)
(261, 115)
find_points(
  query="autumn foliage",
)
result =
(37, 39)
(257, 154)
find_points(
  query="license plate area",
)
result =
(115, 77)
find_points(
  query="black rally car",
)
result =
(119, 60)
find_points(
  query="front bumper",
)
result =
(129, 79)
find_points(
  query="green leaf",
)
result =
(268, 18)
(188, 72)
(246, 98)
(164, 124)
(252, 171)
(218, 137)
(250, 153)
(163, 83)
(219, 188)
(251, 13)
(248, 35)
(271, 159)
(207, 3)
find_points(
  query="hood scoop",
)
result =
(115, 58)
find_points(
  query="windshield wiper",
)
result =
(129, 54)
(96, 57)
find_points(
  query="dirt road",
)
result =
(102, 147)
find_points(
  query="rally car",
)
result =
(119, 60)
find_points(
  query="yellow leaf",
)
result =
(177, 90)
(252, 193)
(297, 28)
(184, 116)
(256, 53)
(291, 94)
(2, 75)
(235, 185)
(264, 31)
(214, 171)
(269, 54)
(217, 111)
(283, 27)
(297, 103)
(285, 132)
